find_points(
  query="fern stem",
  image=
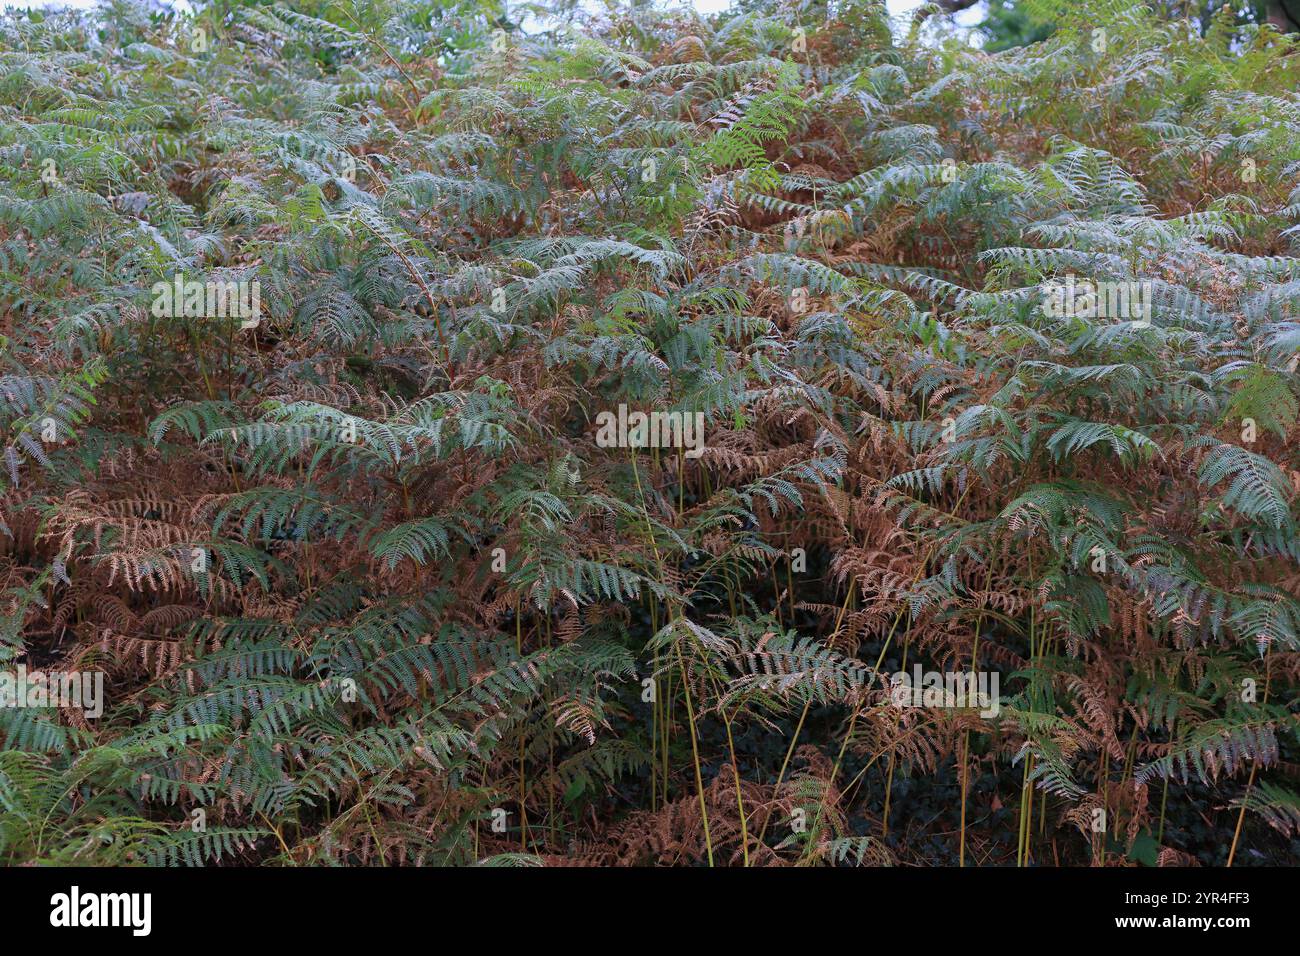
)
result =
(1254, 765)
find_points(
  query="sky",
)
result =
(897, 8)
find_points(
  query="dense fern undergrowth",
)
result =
(363, 584)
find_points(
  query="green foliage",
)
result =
(365, 583)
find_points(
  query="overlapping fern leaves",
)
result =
(366, 589)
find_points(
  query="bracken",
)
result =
(365, 587)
